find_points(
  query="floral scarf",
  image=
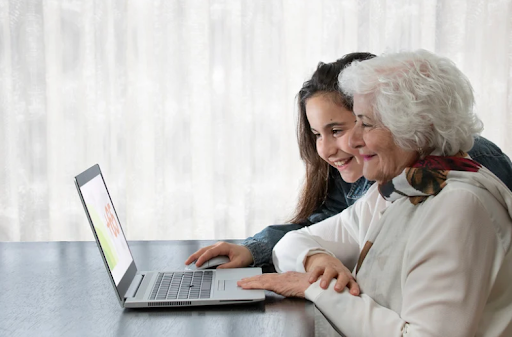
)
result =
(426, 177)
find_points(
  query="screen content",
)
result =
(111, 237)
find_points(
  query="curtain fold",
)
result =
(189, 106)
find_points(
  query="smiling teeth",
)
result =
(341, 162)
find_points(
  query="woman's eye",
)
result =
(337, 132)
(364, 125)
(316, 135)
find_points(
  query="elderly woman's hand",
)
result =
(289, 284)
(330, 267)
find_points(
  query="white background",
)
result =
(188, 106)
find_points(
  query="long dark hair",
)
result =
(323, 81)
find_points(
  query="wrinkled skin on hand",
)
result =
(289, 284)
(329, 267)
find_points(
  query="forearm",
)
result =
(355, 315)
(291, 252)
(261, 244)
(328, 236)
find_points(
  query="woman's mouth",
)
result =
(341, 164)
(368, 157)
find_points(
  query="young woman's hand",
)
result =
(239, 256)
(329, 268)
(289, 284)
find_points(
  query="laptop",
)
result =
(143, 289)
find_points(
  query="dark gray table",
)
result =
(62, 289)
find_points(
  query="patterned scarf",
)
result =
(424, 178)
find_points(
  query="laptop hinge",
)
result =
(134, 286)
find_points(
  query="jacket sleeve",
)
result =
(340, 236)
(261, 244)
(450, 263)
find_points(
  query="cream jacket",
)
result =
(441, 268)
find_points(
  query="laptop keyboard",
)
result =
(183, 285)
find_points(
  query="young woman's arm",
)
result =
(261, 244)
(340, 236)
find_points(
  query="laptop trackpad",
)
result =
(225, 285)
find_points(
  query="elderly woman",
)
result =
(432, 237)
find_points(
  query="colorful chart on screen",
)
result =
(111, 237)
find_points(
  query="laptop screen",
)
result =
(107, 227)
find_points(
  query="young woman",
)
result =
(333, 175)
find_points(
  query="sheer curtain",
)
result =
(188, 106)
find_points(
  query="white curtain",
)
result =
(188, 106)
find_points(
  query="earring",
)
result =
(421, 153)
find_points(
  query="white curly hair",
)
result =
(423, 99)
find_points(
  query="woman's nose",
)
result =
(355, 139)
(326, 147)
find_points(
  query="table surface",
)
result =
(62, 289)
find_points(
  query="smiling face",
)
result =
(383, 159)
(332, 124)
